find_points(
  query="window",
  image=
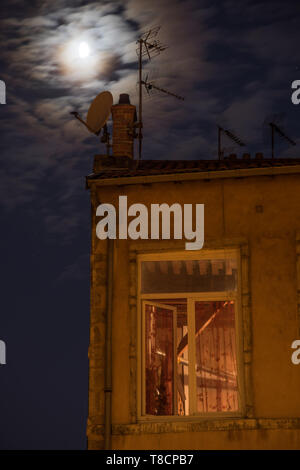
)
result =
(189, 308)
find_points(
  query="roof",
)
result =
(167, 170)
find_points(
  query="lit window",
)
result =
(189, 311)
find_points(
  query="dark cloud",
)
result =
(234, 63)
(234, 71)
(76, 271)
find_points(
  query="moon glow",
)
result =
(83, 50)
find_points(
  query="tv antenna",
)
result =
(275, 128)
(97, 116)
(231, 136)
(150, 85)
(275, 123)
(148, 46)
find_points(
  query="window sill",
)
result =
(200, 424)
(190, 418)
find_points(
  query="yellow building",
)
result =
(191, 349)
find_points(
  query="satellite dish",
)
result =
(99, 111)
(97, 116)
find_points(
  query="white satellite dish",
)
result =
(98, 112)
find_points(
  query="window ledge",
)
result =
(224, 424)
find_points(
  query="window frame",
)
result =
(191, 297)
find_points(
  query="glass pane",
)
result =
(189, 276)
(166, 352)
(216, 369)
(159, 360)
(182, 361)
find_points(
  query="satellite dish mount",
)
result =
(97, 116)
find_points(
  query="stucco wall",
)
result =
(263, 212)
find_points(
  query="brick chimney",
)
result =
(123, 116)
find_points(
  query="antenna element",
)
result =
(148, 46)
(275, 128)
(229, 134)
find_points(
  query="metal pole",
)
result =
(219, 142)
(140, 99)
(108, 346)
(272, 140)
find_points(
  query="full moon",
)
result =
(83, 50)
(80, 59)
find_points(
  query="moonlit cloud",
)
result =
(233, 61)
(231, 71)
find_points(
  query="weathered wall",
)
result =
(264, 211)
(278, 439)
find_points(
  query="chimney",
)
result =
(123, 116)
(230, 157)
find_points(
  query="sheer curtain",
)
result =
(216, 369)
(159, 360)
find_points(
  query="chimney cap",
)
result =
(259, 156)
(124, 98)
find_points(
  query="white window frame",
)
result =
(191, 297)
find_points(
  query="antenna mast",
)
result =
(140, 97)
(150, 47)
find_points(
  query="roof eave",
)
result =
(192, 176)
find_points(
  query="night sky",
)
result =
(233, 61)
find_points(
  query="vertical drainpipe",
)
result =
(108, 346)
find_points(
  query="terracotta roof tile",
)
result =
(159, 167)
